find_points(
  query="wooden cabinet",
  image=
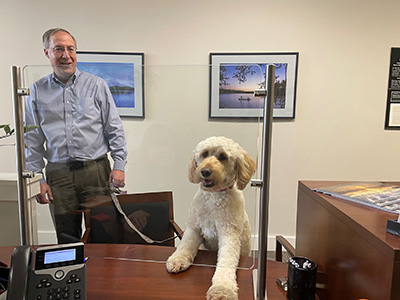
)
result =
(349, 242)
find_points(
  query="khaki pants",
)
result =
(71, 184)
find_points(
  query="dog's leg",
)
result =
(246, 239)
(186, 251)
(224, 286)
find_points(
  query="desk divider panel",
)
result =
(166, 110)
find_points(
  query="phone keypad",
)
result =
(68, 289)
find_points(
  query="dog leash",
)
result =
(115, 190)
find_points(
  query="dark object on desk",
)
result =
(302, 278)
(393, 227)
(282, 242)
(104, 224)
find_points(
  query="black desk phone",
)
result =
(59, 272)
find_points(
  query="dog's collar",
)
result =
(227, 188)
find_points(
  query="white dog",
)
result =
(217, 216)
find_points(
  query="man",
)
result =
(78, 125)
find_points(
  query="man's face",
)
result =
(62, 55)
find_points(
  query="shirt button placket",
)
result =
(69, 120)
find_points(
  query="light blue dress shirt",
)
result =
(77, 121)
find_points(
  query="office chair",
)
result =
(104, 224)
(282, 242)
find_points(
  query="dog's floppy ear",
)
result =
(246, 166)
(192, 169)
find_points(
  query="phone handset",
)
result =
(20, 268)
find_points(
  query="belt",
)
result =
(78, 164)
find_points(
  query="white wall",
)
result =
(344, 47)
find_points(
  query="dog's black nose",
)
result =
(205, 173)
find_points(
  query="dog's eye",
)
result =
(222, 157)
(205, 154)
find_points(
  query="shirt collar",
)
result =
(71, 80)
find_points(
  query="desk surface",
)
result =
(126, 279)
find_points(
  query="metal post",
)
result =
(24, 212)
(264, 191)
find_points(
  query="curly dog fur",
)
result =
(217, 217)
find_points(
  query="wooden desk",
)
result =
(350, 244)
(111, 279)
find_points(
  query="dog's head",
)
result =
(218, 162)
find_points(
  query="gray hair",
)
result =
(46, 36)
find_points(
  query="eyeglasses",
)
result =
(60, 50)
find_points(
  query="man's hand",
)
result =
(117, 178)
(44, 190)
(139, 219)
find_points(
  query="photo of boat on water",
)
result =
(119, 77)
(237, 83)
(235, 76)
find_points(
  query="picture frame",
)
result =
(235, 76)
(124, 74)
(392, 116)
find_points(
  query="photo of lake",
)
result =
(119, 77)
(240, 101)
(238, 82)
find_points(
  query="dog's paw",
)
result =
(178, 263)
(219, 292)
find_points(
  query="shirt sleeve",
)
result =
(34, 139)
(113, 130)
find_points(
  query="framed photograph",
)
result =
(392, 119)
(123, 73)
(235, 76)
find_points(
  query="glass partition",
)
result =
(182, 105)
